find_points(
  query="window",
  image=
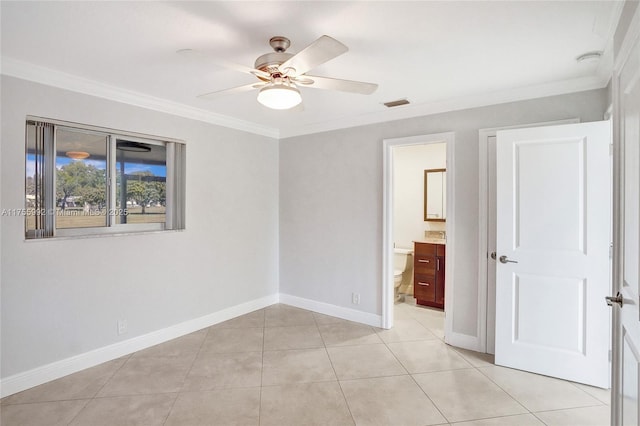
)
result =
(84, 180)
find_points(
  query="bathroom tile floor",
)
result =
(288, 366)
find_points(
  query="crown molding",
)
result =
(38, 74)
(454, 104)
(26, 71)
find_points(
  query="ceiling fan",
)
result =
(280, 73)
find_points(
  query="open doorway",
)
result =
(391, 234)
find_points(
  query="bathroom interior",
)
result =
(419, 224)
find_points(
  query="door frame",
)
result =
(387, 222)
(631, 36)
(486, 334)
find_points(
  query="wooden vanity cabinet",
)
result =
(428, 274)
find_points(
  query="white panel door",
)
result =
(553, 219)
(626, 360)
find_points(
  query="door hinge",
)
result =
(611, 250)
(610, 149)
(610, 356)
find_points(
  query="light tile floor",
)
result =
(287, 366)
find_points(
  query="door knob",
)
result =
(505, 259)
(614, 299)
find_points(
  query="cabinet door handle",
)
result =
(424, 284)
(422, 261)
(437, 263)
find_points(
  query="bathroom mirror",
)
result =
(435, 195)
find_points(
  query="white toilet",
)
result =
(402, 269)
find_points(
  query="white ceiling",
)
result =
(439, 55)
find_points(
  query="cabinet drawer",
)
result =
(425, 249)
(424, 287)
(425, 264)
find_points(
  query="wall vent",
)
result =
(396, 103)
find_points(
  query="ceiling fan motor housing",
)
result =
(271, 61)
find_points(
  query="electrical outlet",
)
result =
(122, 326)
(355, 298)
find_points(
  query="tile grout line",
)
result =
(80, 411)
(535, 414)
(506, 393)
(471, 366)
(112, 375)
(413, 378)
(95, 395)
(539, 419)
(484, 375)
(503, 390)
(575, 385)
(326, 351)
(541, 411)
(184, 380)
(194, 360)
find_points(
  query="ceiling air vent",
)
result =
(396, 103)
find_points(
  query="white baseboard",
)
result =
(333, 310)
(55, 370)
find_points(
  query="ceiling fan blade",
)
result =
(239, 89)
(320, 51)
(200, 56)
(336, 84)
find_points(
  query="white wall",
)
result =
(61, 298)
(409, 164)
(331, 201)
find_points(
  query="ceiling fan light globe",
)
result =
(279, 96)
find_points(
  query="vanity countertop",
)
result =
(432, 241)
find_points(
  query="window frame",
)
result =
(113, 185)
(175, 182)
